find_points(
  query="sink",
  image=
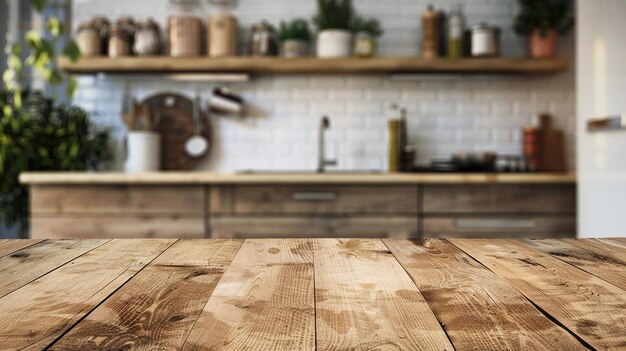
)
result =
(260, 171)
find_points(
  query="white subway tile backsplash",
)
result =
(283, 112)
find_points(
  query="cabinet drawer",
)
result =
(349, 227)
(117, 228)
(505, 227)
(314, 199)
(499, 199)
(117, 199)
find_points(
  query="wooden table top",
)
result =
(307, 294)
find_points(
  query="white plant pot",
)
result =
(143, 152)
(295, 48)
(334, 43)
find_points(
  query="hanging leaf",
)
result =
(72, 51)
(55, 26)
(71, 87)
(33, 39)
(39, 4)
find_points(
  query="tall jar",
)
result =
(185, 28)
(119, 42)
(88, 40)
(222, 35)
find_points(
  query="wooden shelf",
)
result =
(313, 65)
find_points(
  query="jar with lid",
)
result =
(88, 40)
(185, 28)
(119, 42)
(263, 41)
(128, 24)
(222, 28)
(102, 25)
(147, 39)
(485, 40)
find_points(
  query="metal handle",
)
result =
(607, 123)
(314, 196)
(495, 223)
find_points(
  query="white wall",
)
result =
(601, 91)
(444, 117)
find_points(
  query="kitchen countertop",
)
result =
(292, 178)
(307, 294)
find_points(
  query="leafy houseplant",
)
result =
(42, 136)
(335, 22)
(367, 31)
(541, 21)
(295, 37)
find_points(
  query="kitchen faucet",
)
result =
(322, 162)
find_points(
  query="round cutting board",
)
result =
(175, 115)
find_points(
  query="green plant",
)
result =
(297, 29)
(368, 25)
(544, 15)
(334, 14)
(42, 136)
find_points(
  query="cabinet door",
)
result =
(276, 227)
(499, 227)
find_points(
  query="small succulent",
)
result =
(297, 29)
(334, 14)
(368, 25)
(544, 15)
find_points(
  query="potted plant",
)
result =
(367, 33)
(334, 21)
(541, 21)
(295, 37)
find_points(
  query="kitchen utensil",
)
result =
(197, 145)
(224, 101)
(485, 40)
(174, 113)
(222, 35)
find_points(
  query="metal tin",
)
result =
(485, 41)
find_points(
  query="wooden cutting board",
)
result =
(176, 126)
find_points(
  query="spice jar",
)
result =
(185, 29)
(222, 35)
(102, 25)
(119, 43)
(364, 44)
(147, 39)
(88, 40)
(263, 42)
(485, 40)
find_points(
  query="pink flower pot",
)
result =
(542, 46)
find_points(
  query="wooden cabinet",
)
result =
(515, 211)
(288, 210)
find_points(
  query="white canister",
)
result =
(485, 41)
(143, 152)
(334, 43)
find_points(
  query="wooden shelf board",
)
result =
(313, 65)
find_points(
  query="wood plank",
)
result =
(365, 300)
(264, 303)
(603, 266)
(500, 226)
(615, 247)
(28, 264)
(157, 308)
(276, 65)
(586, 305)
(38, 313)
(117, 199)
(479, 309)
(8, 246)
(120, 227)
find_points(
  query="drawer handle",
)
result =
(314, 196)
(495, 223)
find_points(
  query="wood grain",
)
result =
(263, 302)
(500, 226)
(586, 305)
(118, 226)
(158, 307)
(615, 247)
(23, 266)
(8, 246)
(479, 309)
(603, 266)
(36, 314)
(276, 65)
(365, 300)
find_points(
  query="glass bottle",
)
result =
(456, 25)
(185, 28)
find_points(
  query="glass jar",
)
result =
(364, 44)
(147, 39)
(185, 28)
(263, 42)
(88, 40)
(102, 25)
(119, 42)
